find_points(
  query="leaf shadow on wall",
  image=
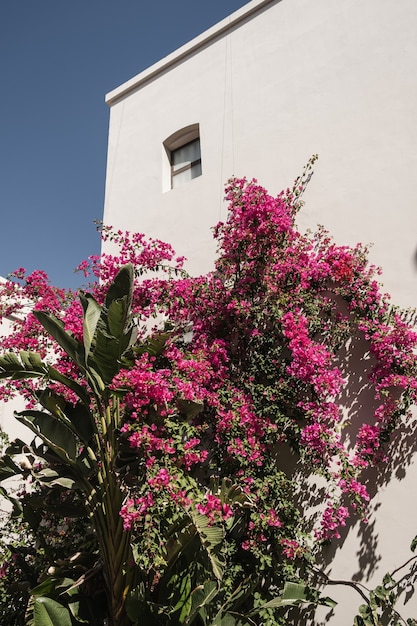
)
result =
(358, 404)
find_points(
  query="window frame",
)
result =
(180, 139)
(189, 165)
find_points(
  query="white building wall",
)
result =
(274, 83)
(8, 423)
(295, 78)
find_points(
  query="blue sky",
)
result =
(58, 59)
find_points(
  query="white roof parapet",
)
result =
(187, 49)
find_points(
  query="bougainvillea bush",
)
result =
(201, 394)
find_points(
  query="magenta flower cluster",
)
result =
(253, 359)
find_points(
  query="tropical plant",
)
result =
(77, 450)
(77, 470)
(380, 603)
(174, 439)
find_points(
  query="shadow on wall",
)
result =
(358, 404)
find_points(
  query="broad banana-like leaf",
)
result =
(211, 537)
(237, 597)
(51, 584)
(52, 432)
(32, 361)
(155, 345)
(8, 468)
(51, 477)
(107, 349)
(85, 465)
(9, 362)
(77, 418)
(95, 381)
(17, 446)
(117, 316)
(201, 597)
(230, 493)
(48, 612)
(82, 421)
(106, 331)
(141, 611)
(187, 533)
(92, 312)
(105, 354)
(14, 501)
(294, 594)
(195, 558)
(121, 286)
(78, 389)
(28, 366)
(55, 327)
(184, 585)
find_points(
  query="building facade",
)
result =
(8, 424)
(256, 96)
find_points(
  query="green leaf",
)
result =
(184, 600)
(28, 366)
(80, 391)
(85, 465)
(105, 328)
(73, 348)
(142, 611)
(8, 468)
(16, 447)
(52, 477)
(231, 619)
(200, 597)
(32, 361)
(211, 537)
(121, 286)
(230, 493)
(239, 595)
(52, 432)
(117, 316)
(104, 357)
(155, 345)
(50, 584)
(77, 418)
(5, 494)
(293, 594)
(92, 311)
(48, 612)
(82, 421)
(9, 362)
(95, 381)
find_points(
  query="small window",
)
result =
(185, 163)
(182, 157)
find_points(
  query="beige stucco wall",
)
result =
(8, 423)
(269, 86)
(300, 77)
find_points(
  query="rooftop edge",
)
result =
(189, 48)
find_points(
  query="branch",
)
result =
(348, 583)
